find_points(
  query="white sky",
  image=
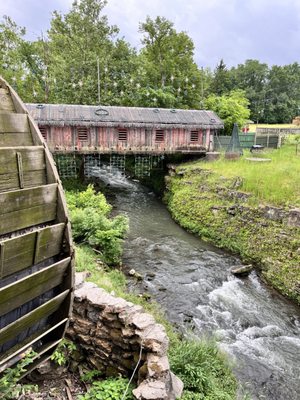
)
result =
(235, 30)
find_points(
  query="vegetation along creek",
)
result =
(192, 281)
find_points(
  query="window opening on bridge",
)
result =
(43, 130)
(82, 133)
(159, 135)
(194, 136)
(122, 135)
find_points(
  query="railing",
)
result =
(248, 140)
(277, 131)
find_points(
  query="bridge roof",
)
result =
(69, 114)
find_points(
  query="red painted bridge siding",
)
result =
(139, 139)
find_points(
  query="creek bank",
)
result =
(214, 208)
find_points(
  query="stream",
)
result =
(191, 280)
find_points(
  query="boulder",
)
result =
(242, 270)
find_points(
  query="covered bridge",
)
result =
(125, 130)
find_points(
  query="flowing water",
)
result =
(257, 327)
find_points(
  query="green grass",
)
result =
(203, 369)
(276, 182)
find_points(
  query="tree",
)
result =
(166, 63)
(221, 82)
(282, 92)
(231, 108)
(12, 67)
(76, 40)
(79, 42)
(252, 76)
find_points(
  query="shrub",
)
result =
(91, 224)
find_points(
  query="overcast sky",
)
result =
(235, 30)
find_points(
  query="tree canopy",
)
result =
(63, 65)
(231, 108)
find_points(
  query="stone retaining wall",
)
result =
(115, 335)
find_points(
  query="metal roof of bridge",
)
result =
(69, 114)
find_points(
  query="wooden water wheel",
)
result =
(36, 256)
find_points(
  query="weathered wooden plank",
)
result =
(15, 139)
(44, 351)
(19, 250)
(25, 322)
(25, 218)
(6, 103)
(23, 199)
(32, 286)
(36, 134)
(18, 104)
(29, 342)
(51, 240)
(33, 159)
(14, 123)
(31, 367)
(31, 179)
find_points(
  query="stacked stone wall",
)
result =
(117, 337)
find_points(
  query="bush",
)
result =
(91, 224)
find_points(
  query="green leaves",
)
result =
(203, 370)
(88, 199)
(168, 63)
(231, 108)
(63, 352)
(91, 224)
(10, 389)
(109, 389)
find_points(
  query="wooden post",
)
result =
(1, 259)
(20, 170)
(36, 246)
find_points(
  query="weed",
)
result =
(10, 388)
(203, 369)
(63, 351)
(109, 389)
